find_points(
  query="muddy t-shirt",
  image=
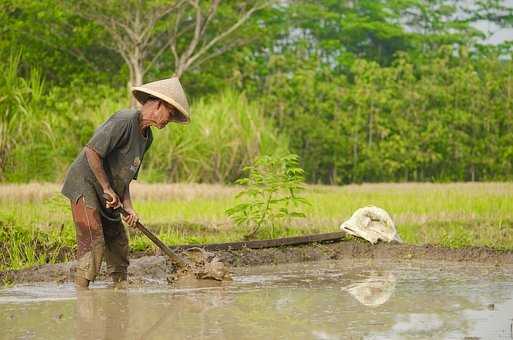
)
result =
(121, 145)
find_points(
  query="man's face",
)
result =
(164, 114)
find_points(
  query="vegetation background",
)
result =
(362, 91)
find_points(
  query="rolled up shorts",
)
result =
(98, 237)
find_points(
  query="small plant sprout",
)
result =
(271, 195)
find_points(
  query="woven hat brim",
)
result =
(142, 94)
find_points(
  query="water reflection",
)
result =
(101, 314)
(374, 290)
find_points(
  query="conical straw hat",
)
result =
(169, 90)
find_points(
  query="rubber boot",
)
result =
(120, 280)
(81, 283)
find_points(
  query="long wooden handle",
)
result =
(180, 261)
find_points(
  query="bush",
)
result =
(271, 196)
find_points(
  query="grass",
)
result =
(36, 225)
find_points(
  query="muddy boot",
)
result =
(120, 280)
(81, 283)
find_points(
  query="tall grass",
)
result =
(20, 247)
(42, 130)
(226, 134)
(19, 98)
(36, 129)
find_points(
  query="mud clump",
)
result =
(207, 265)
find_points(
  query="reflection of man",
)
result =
(101, 314)
(106, 166)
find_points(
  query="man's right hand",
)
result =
(114, 201)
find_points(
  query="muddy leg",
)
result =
(90, 242)
(116, 252)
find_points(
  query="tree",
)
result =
(141, 31)
(62, 45)
(204, 45)
(134, 28)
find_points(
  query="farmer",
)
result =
(106, 166)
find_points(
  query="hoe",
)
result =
(204, 266)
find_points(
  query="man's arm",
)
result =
(96, 165)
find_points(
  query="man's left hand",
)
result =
(131, 217)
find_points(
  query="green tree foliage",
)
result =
(443, 120)
(63, 46)
(340, 31)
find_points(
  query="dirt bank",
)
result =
(155, 269)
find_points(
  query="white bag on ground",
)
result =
(373, 224)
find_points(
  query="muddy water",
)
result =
(322, 300)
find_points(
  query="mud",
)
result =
(147, 269)
(360, 249)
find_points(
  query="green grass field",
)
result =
(36, 225)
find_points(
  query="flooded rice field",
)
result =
(315, 300)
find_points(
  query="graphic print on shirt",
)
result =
(135, 164)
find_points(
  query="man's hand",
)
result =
(131, 217)
(113, 201)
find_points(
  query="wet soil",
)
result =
(147, 268)
(334, 299)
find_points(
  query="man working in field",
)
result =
(106, 166)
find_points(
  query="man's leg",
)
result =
(116, 252)
(90, 242)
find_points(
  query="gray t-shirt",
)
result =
(122, 146)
